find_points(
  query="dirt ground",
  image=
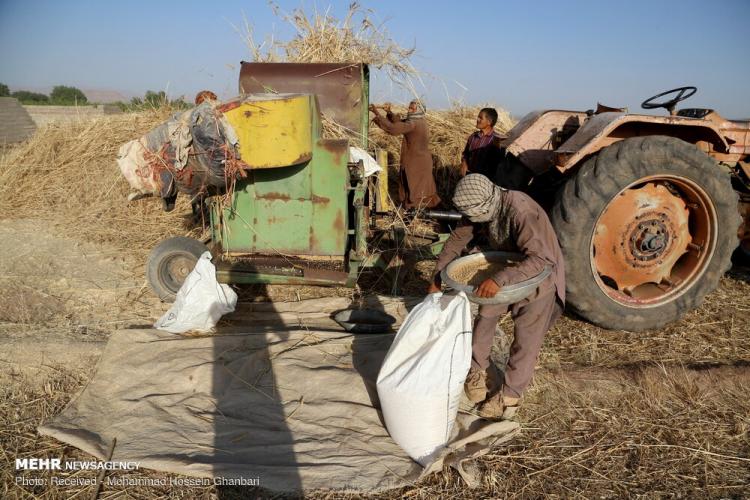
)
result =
(610, 414)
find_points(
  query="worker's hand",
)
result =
(434, 287)
(374, 109)
(487, 289)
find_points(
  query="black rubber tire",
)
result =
(164, 284)
(584, 198)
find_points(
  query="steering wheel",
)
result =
(683, 93)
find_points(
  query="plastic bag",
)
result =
(201, 301)
(422, 377)
(371, 166)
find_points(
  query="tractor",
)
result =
(648, 209)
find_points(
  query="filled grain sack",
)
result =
(422, 377)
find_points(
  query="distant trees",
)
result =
(27, 97)
(60, 94)
(67, 95)
(153, 99)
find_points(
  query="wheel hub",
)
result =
(649, 239)
(179, 267)
(641, 236)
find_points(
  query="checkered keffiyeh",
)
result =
(478, 198)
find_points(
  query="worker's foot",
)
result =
(499, 407)
(475, 386)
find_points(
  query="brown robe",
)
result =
(533, 316)
(416, 184)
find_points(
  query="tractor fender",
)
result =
(532, 140)
(604, 129)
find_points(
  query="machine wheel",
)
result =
(170, 262)
(647, 227)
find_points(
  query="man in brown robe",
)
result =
(416, 187)
(514, 222)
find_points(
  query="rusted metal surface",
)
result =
(534, 138)
(603, 129)
(249, 278)
(295, 210)
(647, 230)
(602, 108)
(275, 269)
(737, 133)
(325, 275)
(340, 88)
(651, 240)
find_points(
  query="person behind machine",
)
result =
(482, 152)
(416, 184)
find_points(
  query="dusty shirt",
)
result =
(416, 160)
(533, 236)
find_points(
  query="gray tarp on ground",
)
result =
(290, 400)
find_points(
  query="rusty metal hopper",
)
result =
(342, 89)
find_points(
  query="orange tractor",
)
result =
(648, 209)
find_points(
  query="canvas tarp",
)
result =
(289, 400)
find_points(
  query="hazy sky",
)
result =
(518, 55)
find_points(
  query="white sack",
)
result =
(422, 377)
(371, 166)
(201, 301)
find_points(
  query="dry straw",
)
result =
(67, 175)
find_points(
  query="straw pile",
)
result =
(321, 37)
(66, 174)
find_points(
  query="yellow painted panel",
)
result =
(273, 131)
(383, 201)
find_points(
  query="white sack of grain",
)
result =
(422, 377)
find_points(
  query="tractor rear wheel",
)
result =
(647, 227)
(170, 262)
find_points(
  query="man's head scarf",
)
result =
(419, 113)
(478, 198)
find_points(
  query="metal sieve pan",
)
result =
(509, 294)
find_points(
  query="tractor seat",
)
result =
(694, 112)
